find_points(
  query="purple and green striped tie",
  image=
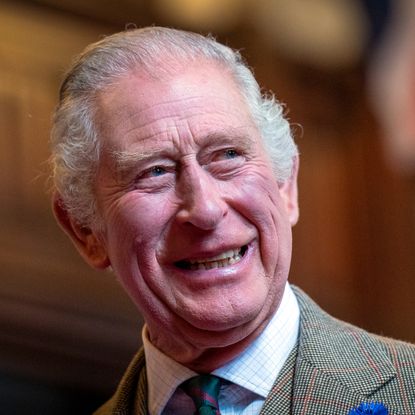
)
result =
(204, 391)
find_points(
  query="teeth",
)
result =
(219, 261)
(225, 255)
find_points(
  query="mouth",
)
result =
(224, 259)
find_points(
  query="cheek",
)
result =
(135, 229)
(137, 222)
(257, 197)
(259, 201)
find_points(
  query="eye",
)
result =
(224, 162)
(156, 171)
(226, 154)
(152, 172)
(230, 153)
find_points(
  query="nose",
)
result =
(202, 203)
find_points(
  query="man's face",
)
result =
(196, 226)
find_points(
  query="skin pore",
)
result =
(195, 225)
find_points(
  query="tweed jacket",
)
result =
(333, 369)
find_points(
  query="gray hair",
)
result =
(75, 143)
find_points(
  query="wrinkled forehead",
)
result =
(161, 74)
(202, 93)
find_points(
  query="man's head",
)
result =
(171, 168)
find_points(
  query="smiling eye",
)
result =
(156, 171)
(227, 157)
(230, 153)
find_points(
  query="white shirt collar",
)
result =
(254, 369)
(257, 367)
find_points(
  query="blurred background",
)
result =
(67, 332)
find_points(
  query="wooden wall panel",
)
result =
(10, 143)
(59, 320)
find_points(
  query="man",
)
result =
(173, 170)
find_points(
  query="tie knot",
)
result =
(204, 391)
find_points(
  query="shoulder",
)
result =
(131, 391)
(364, 364)
(317, 323)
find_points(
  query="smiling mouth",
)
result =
(224, 259)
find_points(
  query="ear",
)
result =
(289, 193)
(88, 244)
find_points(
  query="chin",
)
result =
(223, 320)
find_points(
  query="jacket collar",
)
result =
(336, 362)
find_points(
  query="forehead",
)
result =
(197, 101)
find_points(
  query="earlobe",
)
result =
(289, 193)
(86, 241)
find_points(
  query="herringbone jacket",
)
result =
(335, 367)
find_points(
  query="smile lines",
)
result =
(224, 259)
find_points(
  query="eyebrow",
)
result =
(231, 137)
(125, 160)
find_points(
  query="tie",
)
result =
(204, 391)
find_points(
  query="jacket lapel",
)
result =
(279, 399)
(338, 365)
(130, 398)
